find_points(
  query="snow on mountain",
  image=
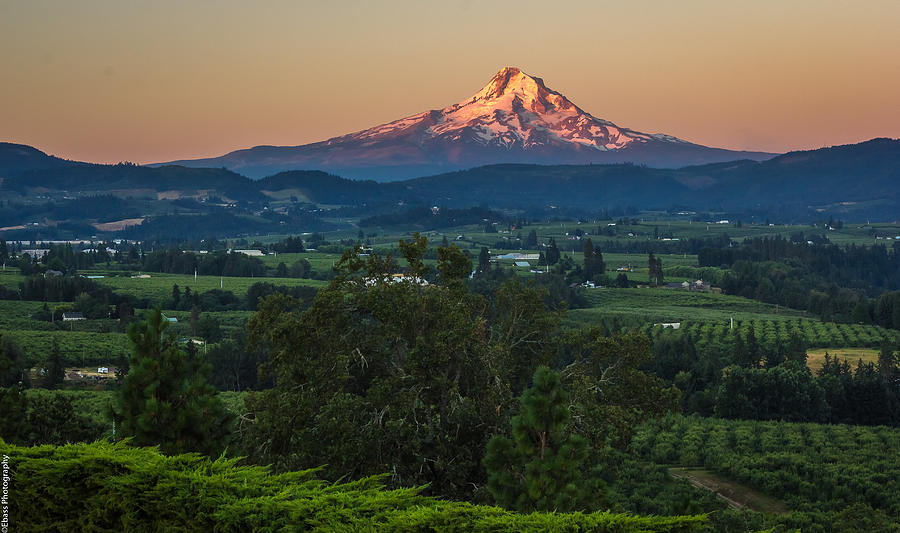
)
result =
(514, 110)
(515, 118)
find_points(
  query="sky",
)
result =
(154, 81)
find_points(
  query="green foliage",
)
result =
(111, 487)
(12, 364)
(786, 392)
(453, 263)
(55, 371)
(381, 375)
(610, 393)
(540, 467)
(811, 467)
(593, 261)
(165, 398)
(43, 417)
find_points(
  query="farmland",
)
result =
(158, 287)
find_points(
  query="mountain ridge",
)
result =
(845, 178)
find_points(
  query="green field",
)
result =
(809, 467)
(815, 358)
(78, 348)
(158, 287)
(650, 305)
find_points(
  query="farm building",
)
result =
(69, 316)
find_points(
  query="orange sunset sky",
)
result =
(151, 81)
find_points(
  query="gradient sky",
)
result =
(151, 81)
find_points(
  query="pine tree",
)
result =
(12, 365)
(539, 468)
(588, 260)
(484, 259)
(655, 267)
(56, 371)
(552, 252)
(165, 398)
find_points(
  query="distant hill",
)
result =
(18, 158)
(842, 179)
(855, 181)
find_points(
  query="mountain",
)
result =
(854, 182)
(857, 181)
(25, 170)
(515, 118)
(17, 158)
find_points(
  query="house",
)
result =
(673, 325)
(69, 316)
(52, 273)
(523, 264)
(698, 285)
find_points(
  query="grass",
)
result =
(816, 358)
(158, 287)
(651, 305)
(78, 348)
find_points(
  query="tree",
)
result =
(611, 395)
(552, 252)
(539, 468)
(13, 369)
(655, 269)
(378, 376)
(176, 296)
(55, 369)
(484, 259)
(593, 261)
(165, 398)
(531, 240)
(453, 263)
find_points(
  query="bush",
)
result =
(103, 486)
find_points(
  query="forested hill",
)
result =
(854, 181)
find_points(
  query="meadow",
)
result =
(656, 305)
(158, 287)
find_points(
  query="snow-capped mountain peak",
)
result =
(515, 109)
(514, 118)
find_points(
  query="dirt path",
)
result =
(734, 494)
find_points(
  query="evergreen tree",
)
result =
(12, 364)
(552, 252)
(165, 398)
(55, 370)
(655, 267)
(593, 261)
(539, 468)
(484, 259)
(531, 241)
(176, 296)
